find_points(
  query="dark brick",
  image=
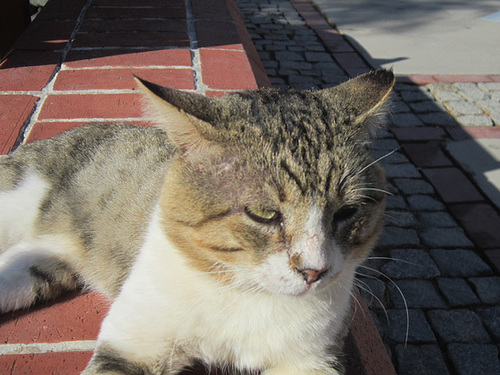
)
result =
(457, 292)
(418, 294)
(410, 263)
(462, 326)
(474, 359)
(491, 319)
(420, 360)
(460, 263)
(487, 288)
(412, 328)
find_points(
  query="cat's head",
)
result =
(274, 189)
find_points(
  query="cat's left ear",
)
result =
(362, 98)
(184, 117)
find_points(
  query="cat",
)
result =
(228, 234)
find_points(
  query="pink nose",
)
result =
(311, 276)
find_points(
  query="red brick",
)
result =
(101, 79)
(72, 363)
(350, 60)
(216, 94)
(61, 10)
(46, 35)
(417, 79)
(258, 69)
(335, 42)
(452, 185)
(461, 133)
(354, 72)
(16, 110)
(475, 78)
(45, 130)
(26, 78)
(132, 3)
(419, 134)
(72, 317)
(426, 155)
(314, 19)
(166, 12)
(302, 6)
(226, 69)
(137, 25)
(101, 106)
(210, 10)
(224, 35)
(124, 58)
(131, 39)
(480, 221)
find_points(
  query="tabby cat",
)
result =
(229, 234)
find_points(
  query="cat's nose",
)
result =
(310, 275)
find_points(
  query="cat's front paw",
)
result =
(301, 371)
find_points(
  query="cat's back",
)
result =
(95, 185)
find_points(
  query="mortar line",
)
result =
(59, 347)
(48, 89)
(200, 87)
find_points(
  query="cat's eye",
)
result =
(345, 213)
(262, 215)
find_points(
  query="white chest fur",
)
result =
(165, 303)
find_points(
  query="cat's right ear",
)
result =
(184, 117)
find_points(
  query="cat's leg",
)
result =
(139, 334)
(109, 361)
(33, 271)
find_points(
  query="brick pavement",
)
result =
(441, 246)
(75, 65)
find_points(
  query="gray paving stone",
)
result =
(489, 86)
(487, 288)
(436, 220)
(410, 264)
(458, 326)
(418, 95)
(385, 144)
(474, 359)
(398, 106)
(491, 319)
(420, 360)
(460, 263)
(447, 96)
(474, 120)
(421, 202)
(418, 294)
(464, 108)
(396, 202)
(427, 106)
(472, 92)
(457, 292)
(410, 186)
(298, 65)
(406, 120)
(402, 171)
(438, 118)
(318, 56)
(289, 56)
(402, 219)
(373, 292)
(398, 237)
(445, 237)
(408, 326)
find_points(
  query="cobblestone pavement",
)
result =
(449, 319)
